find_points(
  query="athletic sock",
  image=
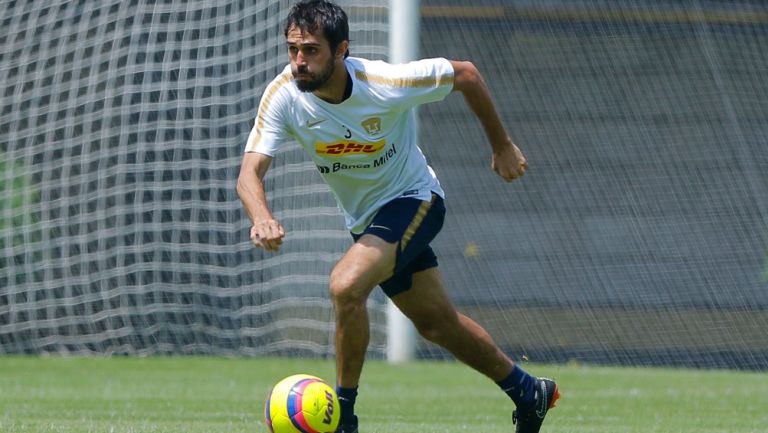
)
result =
(347, 397)
(520, 387)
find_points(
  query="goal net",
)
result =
(123, 125)
(639, 235)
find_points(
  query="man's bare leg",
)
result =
(368, 261)
(428, 306)
(431, 311)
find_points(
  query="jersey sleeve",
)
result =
(270, 128)
(410, 84)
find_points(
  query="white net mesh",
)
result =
(639, 233)
(638, 236)
(123, 126)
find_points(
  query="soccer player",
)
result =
(355, 119)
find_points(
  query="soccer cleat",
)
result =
(529, 421)
(349, 426)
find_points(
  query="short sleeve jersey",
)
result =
(366, 146)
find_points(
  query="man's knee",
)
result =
(346, 290)
(437, 328)
(431, 332)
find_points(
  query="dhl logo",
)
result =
(349, 148)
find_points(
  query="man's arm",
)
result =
(507, 160)
(265, 230)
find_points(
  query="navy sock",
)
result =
(520, 387)
(347, 397)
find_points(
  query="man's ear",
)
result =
(341, 50)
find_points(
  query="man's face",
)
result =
(312, 61)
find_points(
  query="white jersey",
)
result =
(365, 147)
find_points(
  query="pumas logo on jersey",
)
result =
(344, 148)
(372, 126)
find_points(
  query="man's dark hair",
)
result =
(313, 15)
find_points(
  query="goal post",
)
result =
(404, 41)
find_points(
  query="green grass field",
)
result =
(188, 394)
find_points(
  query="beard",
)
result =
(316, 80)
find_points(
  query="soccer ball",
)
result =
(302, 404)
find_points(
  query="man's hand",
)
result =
(267, 234)
(508, 162)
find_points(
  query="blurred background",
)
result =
(639, 235)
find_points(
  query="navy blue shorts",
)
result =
(411, 224)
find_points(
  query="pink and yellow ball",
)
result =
(302, 404)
